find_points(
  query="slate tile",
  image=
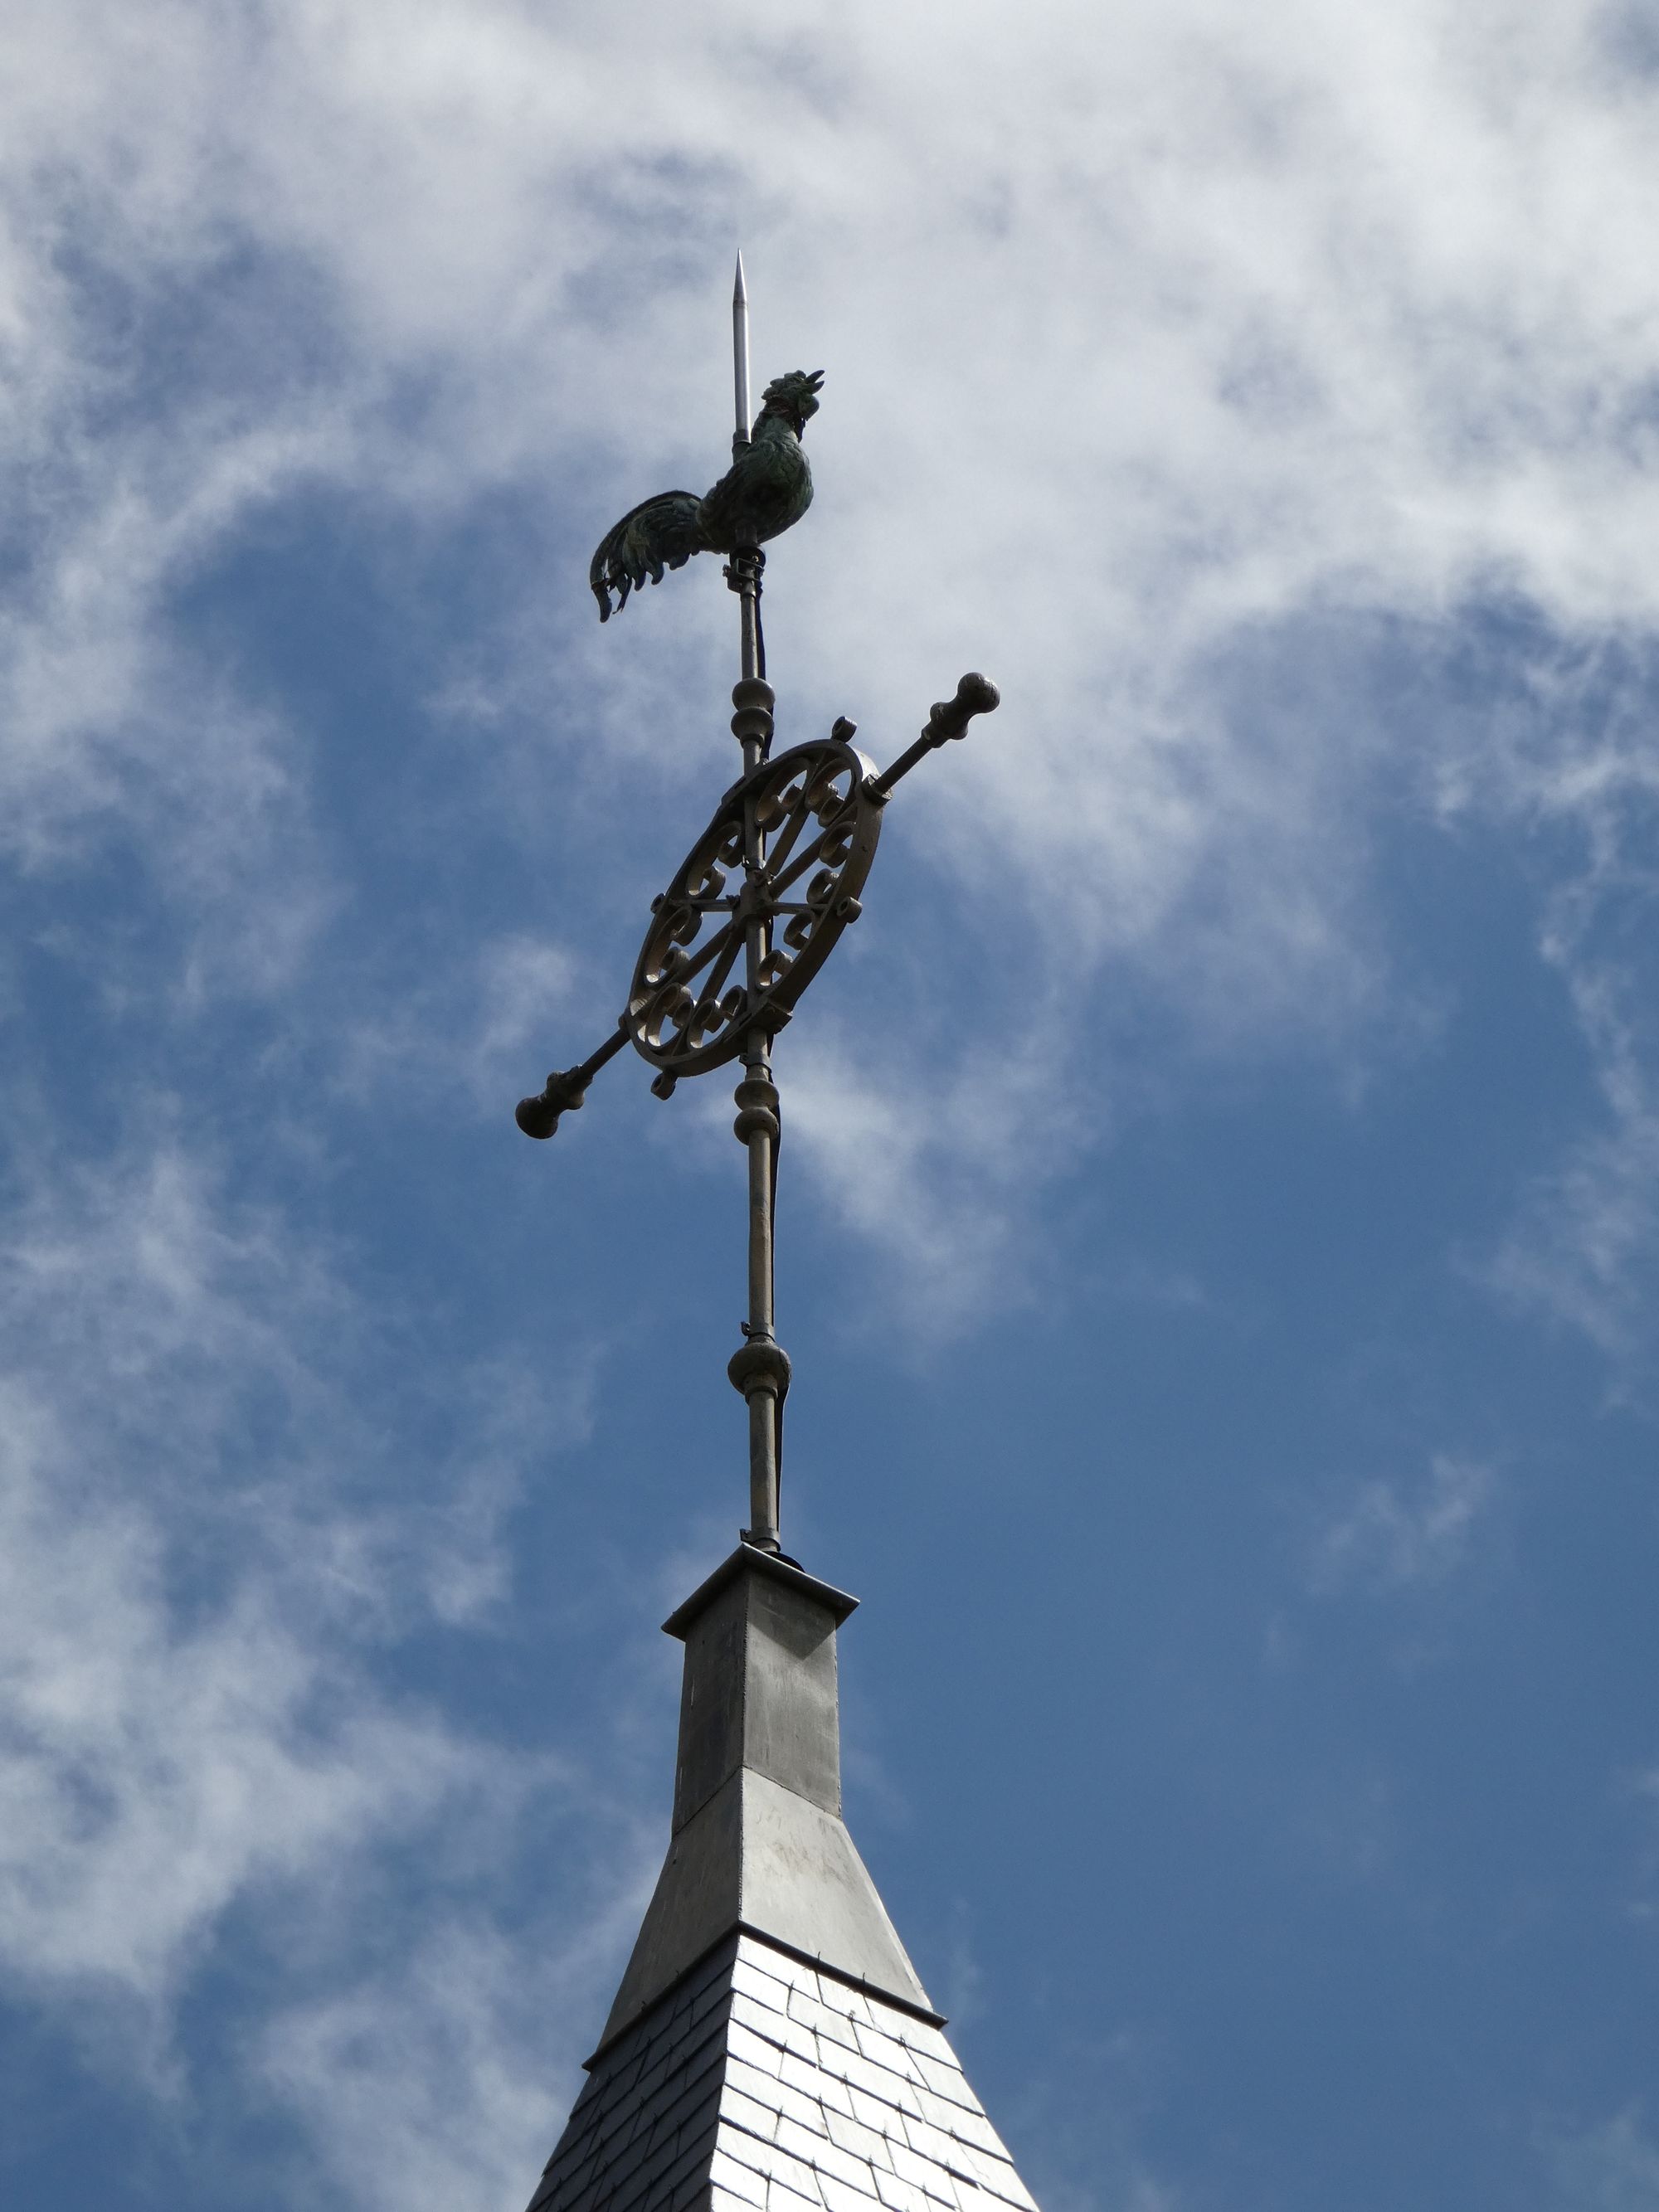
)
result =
(922, 2036)
(763, 2084)
(801, 2106)
(775, 2026)
(899, 2195)
(828, 2158)
(823, 2021)
(752, 2082)
(851, 2003)
(998, 2176)
(885, 2050)
(776, 2165)
(934, 2144)
(780, 2197)
(753, 2050)
(743, 2182)
(932, 2179)
(864, 2142)
(810, 2081)
(849, 2196)
(946, 2081)
(713, 1999)
(748, 2113)
(753, 1981)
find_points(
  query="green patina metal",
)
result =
(767, 489)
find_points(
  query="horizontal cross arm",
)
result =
(539, 1116)
(976, 695)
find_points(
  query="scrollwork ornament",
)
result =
(817, 826)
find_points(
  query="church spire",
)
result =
(771, 2045)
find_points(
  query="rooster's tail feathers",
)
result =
(659, 533)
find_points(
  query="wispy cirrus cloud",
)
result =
(1301, 352)
(211, 1558)
(1168, 369)
(1570, 757)
(1584, 1251)
(1401, 1535)
(932, 1171)
(435, 2081)
(1307, 321)
(1610, 2167)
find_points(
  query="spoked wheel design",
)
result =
(782, 865)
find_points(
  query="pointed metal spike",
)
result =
(740, 354)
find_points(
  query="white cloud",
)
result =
(1172, 352)
(1289, 311)
(1392, 1536)
(1585, 1248)
(159, 1765)
(1582, 1250)
(476, 1027)
(200, 1571)
(441, 2084)
(1613, 2167)
(1227, 330)
(927, 1167)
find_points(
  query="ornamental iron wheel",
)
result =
(782, 863)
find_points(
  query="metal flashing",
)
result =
(759, 1855)
(749, 1559)
(771, 2047)
(757, 1838)
(815, 1959)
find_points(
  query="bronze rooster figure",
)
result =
(768, 487)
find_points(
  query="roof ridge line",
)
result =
(821, 1966)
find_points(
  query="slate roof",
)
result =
(761, 2085)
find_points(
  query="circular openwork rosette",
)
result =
(814, 828)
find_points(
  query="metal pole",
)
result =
(743, 573)
(740, 357)
(761, 1369)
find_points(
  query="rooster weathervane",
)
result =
(774, 879)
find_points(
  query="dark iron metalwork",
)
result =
(976, 695)
(759, 904)
(563, 1094)
(772, 882)
(767, 489)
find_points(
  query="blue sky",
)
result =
(1219, 1239)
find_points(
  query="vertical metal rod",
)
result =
(752, 651)
(740, 355)
(757, 1123)
(744, 573)
(759, 1066)
(770, 1366)
(761, 1369)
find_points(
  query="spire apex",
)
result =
(741, 353)
(770, 2044)
(758, 1840)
